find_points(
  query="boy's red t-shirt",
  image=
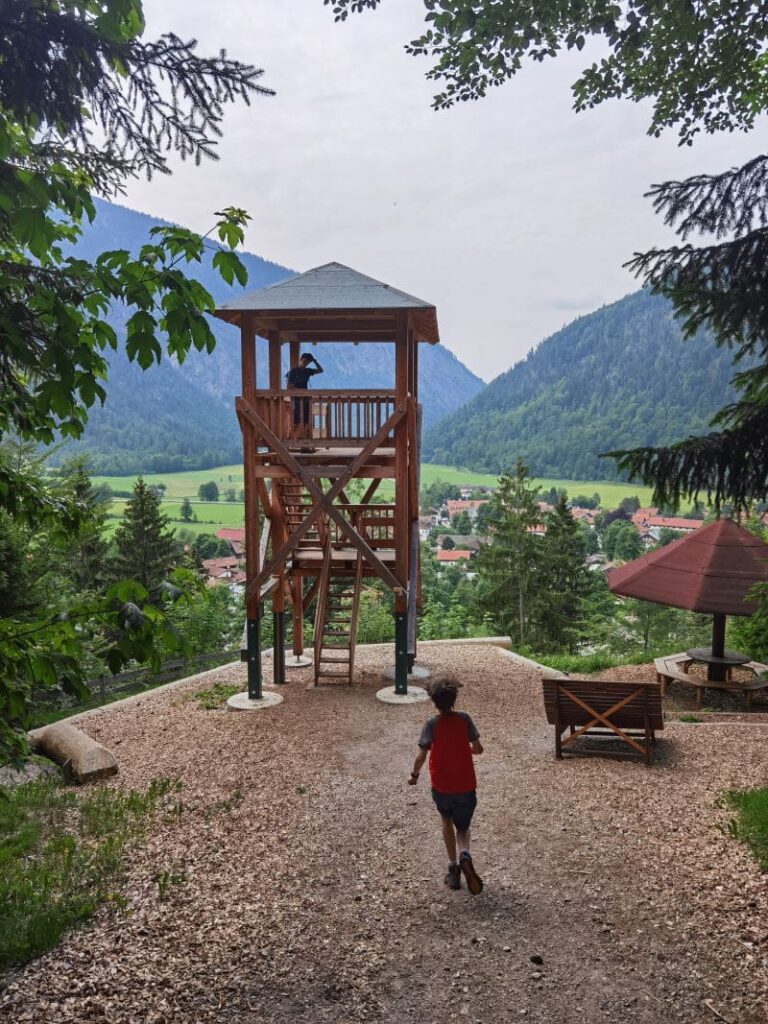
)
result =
(447, 738)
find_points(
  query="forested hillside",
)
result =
(175, 417)
(620, 377)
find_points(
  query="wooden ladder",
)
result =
(338, 605)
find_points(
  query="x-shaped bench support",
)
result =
(323, 500)
(602, 717)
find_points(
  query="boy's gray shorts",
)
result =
(457, 807)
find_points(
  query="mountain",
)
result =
(620, 377)
(174, 417)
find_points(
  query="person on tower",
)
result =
(297, 379)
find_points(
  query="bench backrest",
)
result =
(602, 695)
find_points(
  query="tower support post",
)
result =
(401, 653)
(278, 661)
(253, 641)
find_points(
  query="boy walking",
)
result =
(451, 740)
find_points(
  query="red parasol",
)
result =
(711, 570)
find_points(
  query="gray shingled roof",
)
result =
(332, 286)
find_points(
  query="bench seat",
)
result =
(628, 711)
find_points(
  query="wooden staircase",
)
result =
(336, 620)
(297, 505)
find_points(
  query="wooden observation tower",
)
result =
(306, 539)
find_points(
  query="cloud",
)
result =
(506, 213)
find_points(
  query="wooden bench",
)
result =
(628, 711)
(674, 668)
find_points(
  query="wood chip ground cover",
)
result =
(310, 876)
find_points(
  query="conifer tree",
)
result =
(565, 581)
(186, 511)
(507, 566)
(84, 557)
(144, 547)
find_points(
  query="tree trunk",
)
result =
(82, 758)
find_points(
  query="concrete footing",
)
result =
(297, 661)
(242, 702)
(415, 695)
(417, 672)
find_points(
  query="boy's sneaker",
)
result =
(474, 881)
(453, 878)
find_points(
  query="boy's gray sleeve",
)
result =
(472, 729)
(427, 734)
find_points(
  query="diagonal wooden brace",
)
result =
(323, 501)
(603, 718)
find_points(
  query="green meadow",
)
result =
(212, 515)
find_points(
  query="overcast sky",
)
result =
(513, 215)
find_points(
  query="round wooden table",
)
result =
(718, 668)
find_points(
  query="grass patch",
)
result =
(218, 694)
(185, 484)
(750, 826)
(585, 664)
(688, 717)
(61, 856)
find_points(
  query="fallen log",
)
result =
(82, 758)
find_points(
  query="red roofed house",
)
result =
(642, 515)
(455, 507)
(236, 537)
(658, 523)
(224, 570)
(584, 515)
(454, 555)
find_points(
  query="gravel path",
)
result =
(314, 892)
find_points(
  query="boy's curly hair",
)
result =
(443, 690)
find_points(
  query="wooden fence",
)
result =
(108, 687)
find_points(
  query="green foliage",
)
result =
(375, 621)
(701, 65)
(506, 566)
(215, 696)
(579, 664)
(84, 104)
(185, 512)
(631, 379)
(208, 491)
(61, 856)
(462, 523)
(580, 501)
(437, 493)
(621, 541)
(563, 581)
(144, 548)
(750, 826)
(204, 622)
(749, 633)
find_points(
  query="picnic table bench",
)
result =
(674, 668)
(628, 711)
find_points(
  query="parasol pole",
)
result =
(716, 673)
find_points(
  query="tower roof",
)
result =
(329, 291)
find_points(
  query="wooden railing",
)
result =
(336, 417)
(375, 523)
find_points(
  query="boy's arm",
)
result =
(318, 367)
(418, 764)
(474, 737)
(425, 742)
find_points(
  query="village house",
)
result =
(425, 526)
(456, 507)
(227, 570)
(235, 537)
(584, 515)
(453, 555)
